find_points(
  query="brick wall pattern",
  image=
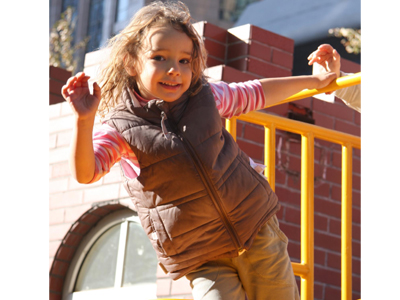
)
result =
(237, 54)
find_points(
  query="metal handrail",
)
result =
(308, 132)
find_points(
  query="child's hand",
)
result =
(76, 92)
(327, 57)
(322, 80)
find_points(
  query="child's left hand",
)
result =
(322, 80)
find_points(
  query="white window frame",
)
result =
(140, 291)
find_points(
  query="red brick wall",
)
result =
(238, 54)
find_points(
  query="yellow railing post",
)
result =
(230, 125)
(307, 215)
(269, 154)
(346, 251)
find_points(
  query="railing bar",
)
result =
(269, 154)
(307, 214)
(260, 118)
(230, 125)
(346, 247)
(339, 83)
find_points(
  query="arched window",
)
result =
(114, 261)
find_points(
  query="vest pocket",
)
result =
(160, 236)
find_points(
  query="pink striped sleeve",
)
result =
(234, 99)
(109, 148)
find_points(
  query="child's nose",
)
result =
(174, 69)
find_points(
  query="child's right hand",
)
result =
(76, 92)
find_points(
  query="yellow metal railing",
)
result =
(308, 132)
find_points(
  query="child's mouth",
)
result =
(170, 85)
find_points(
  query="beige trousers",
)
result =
(262, 273)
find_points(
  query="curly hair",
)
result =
(123, 49)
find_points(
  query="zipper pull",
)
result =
(166, 134)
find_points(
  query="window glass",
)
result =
(140, 259)
(98, 268)
(95, 26)
(122, 10)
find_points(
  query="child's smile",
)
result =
(164, 69)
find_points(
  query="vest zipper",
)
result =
(210, 188)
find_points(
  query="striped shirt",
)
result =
(232, 99)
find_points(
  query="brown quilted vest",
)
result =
(197, 196)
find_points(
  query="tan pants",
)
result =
(262, 273)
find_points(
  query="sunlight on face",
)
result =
(164, 71)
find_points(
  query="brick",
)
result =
(73, 213)
(60, 169)
(69, 198)
(332, 293)
(288, 196)
(333, 110)
(232, 75)
(56, 284)
(59, 74)
(163, 287)
(356, 182)
(58, 185)
(59, 268)
(114, 176)
(61, 124)
(215, 49)
(54, 111)
(52, 141)
(53, 247)
(251, 32)
(72, 239)
(280, 110)
(323, 120)
(327, 241)
(348, 66)
(322, 190)
(57, 232)
(56, 216)
(335, 226)
(55, 86)
(282, 58)
(65, 253)
(249, 49)
(217, 33)
(334, 261)
(272, 39)
(294, 250)
(356, 247)
(55, 99)
(356, 266)
(291, 231)
(319, 257)
(252, 150)
(347, 127)
(327, 207)
(254, 132)
(356, 232)
(55, 296)
(292, 215)
(356, 215)
(212, 62)
(334, 175)
(318, 291)
(101, 193)
(64, 138)
(320, 222)
(181, 286)
(58, 155)
(80, 228)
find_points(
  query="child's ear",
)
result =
(129, 67)
(130, 70)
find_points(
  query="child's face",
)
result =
(164, 71)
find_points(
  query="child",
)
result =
(329, 61)
(208, 214)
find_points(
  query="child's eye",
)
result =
(158, 58)
(185, 61)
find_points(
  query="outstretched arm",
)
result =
(278, 89)
(84, 105)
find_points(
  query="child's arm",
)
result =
(84, 105)
(278, 89)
